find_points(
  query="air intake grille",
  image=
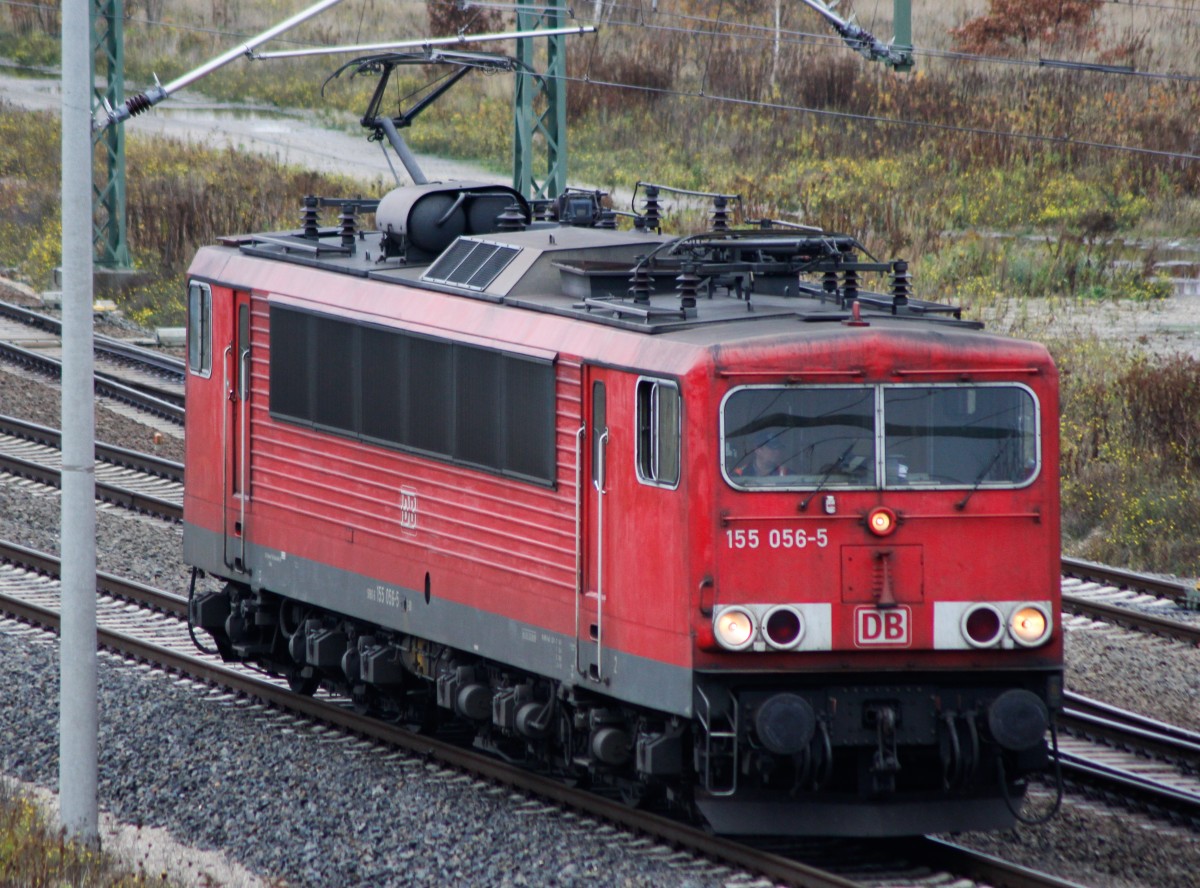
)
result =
(470, 264)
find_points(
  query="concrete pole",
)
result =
(77, 728)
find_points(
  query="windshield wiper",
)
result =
(1000, 451)
(828, 474)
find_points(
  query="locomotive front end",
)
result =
(879, 645)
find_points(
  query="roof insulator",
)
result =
(349, 222)
(641, 283)
(310, 217)
(900, 284)
(512, 219)
(653, 210)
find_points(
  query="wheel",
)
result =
(301, 684)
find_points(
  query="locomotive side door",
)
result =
(593, 492)
(236, 434)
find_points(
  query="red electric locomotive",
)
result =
(694, 518)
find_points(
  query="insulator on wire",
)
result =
(901, 287)
(653, 210)
(310, 217)
(512, 219)
(829, 284)
(849, 286)
(608, 219)
(688, 284)
(640, 284)
(720, 214)
(349, 222)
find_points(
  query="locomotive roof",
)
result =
(771, 334)
(591, 273)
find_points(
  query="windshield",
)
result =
(959, 435)
(799, 436)
(819, 437)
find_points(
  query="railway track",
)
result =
(1136, 601)
(156, 632)
(1184, 594)
(138, 481)
(1152, 764)
(141, 378)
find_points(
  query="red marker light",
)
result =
(882, 521)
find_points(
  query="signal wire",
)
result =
(759, 33)
(780, 106)
(790, 37)
(894, 121)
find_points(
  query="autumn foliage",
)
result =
(1011, 25)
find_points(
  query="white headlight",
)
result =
(1029, 625)
(734, 628)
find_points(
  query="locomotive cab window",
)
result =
(199, 334)
(891, 436)
(960, 436)
(658, 432)
(799, 436)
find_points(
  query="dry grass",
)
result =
(34, 855)
(931, 193)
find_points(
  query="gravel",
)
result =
(313, 808)
(1088, 841)
(308, 809)
(287, 804)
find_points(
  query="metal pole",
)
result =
(902, 42)
(108, 43)
(151, 97)
(423, 42)
(77, 757)
(540, 102)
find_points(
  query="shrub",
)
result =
(1130, 450)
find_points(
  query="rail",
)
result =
(775, 866)
(1186, 594)
(138, 493)
(105, 385)
(147, 463)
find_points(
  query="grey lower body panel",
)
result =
(632, 679)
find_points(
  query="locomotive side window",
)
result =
(799, 436)
(890, 436)
(599, 431)
(429, 384)
(292, 373)
(462, 403)
(199, 340)
(334, 387)
(658, 432)
(983, 435)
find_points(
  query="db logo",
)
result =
(408, 509)
(872, 626)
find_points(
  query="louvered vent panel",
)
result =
(470, 264)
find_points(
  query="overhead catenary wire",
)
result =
(733, 30)
(724, 29)
(922, 124)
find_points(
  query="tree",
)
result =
(1014, 25)
(448, 17)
